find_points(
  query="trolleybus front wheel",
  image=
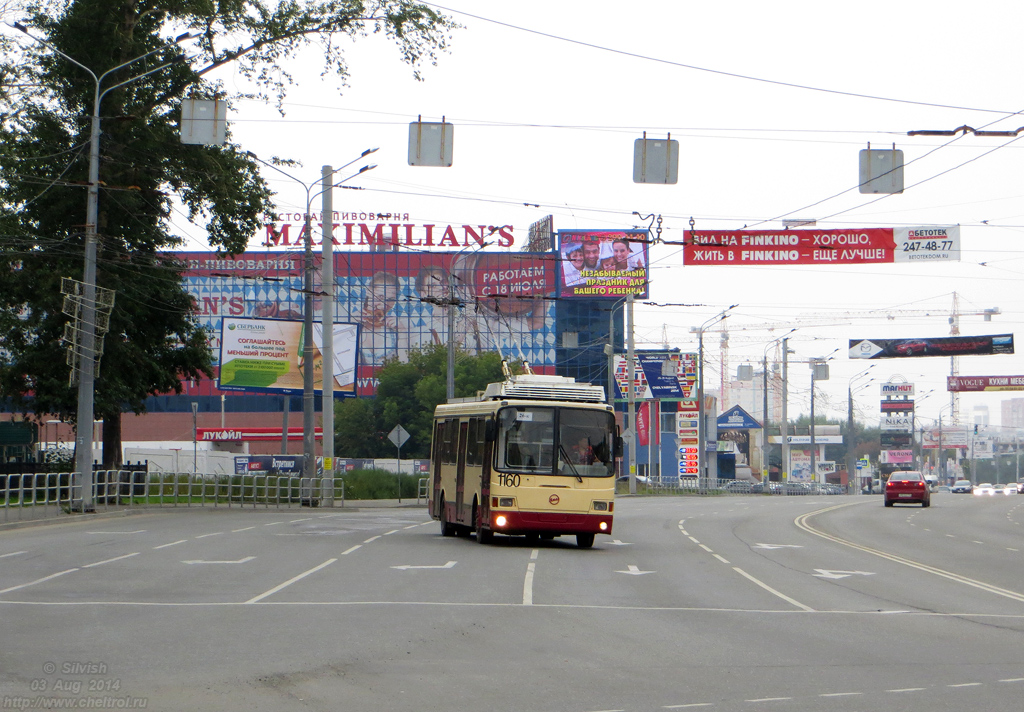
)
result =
(585, 541)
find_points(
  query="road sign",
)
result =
(398, 435)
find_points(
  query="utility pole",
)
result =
(784, 430)
(308, 402)
(327, 327)
(631, 395)
(87, 373)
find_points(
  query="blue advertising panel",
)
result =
(665, 375)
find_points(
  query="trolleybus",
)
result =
(534, 456)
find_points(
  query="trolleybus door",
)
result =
(460, 474)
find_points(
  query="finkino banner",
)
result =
(267, 355)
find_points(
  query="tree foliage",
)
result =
(45, 107)
(407, 394)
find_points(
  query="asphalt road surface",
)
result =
(728, 603)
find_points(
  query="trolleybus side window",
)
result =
(451, 442)
(475, 442)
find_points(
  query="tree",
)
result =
(407, 394)
(154, 341)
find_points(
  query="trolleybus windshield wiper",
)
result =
(561, 449)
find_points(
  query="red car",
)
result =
(907, 486)
(910, 348)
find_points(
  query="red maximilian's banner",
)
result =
(820, 247)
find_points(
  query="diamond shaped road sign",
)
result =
(398, 435)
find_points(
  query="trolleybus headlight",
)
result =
(600, 506)
(506, 501)
(500, 520)
(603, 526)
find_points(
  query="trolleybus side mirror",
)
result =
(491, 430)
(618, 446)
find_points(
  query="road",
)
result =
(729, 603)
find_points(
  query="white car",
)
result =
(985, 488)
(1010, 488)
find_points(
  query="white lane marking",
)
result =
(829, 574)
(694, 704)
(173, 543)
(203, 536)
(33, 583)
(351, 549)
(372, 538)
(908, 689)
(801, 522)
(634, 571)
(721, 558)
(290, 581)
(137, 531)
(246, 560)
(616, 542)
(706, 548)
(406, 567)
(951, 536)
(761, 545)
(272, 524)
(771, 699)
(840, 694)
(393, 531)
(693, 540)
(771, 590)
(293, 521)
(966, 684)
(528, 584)
(411, 526)
(243, 529)
(107, 561)
(1013, 679)
(534, 554)
(13, 553)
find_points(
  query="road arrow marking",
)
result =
(776, 546)
(616, 542)
(634, 571)
(406, 567)
(825, 573)
(200, 561)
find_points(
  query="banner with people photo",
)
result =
(602, 263)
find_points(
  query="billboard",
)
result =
(939, 346)
(666, 375)
(948, 436)
(984, 383)
(599, 263)
(267, 355)
(399, 300)
(853, 246)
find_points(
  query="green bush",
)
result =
(379, 484)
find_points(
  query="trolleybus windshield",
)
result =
(571, 442)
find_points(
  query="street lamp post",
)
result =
(702, 476)
(87, 362)
(765, 468)
(308, 398)
(852, 445)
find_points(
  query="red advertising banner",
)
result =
(849, 246)
(643, 424)
(777, 247)
(985, 383)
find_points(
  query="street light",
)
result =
(308, 405)
(766, 476)
(701, 426)
(815, 363)
(87, 363)
(853, 441)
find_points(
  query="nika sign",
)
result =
(821, 247)
(386, 230)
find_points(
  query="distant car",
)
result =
(962, 487)
(1010, 488)
(910, 348)
(907, 486)
(1020, 487)
(983, 489)
(942, 488)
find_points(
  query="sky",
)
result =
(770, 103)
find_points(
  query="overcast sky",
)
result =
(770, 103)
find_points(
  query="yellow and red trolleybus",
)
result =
(534, 455)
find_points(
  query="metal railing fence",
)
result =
(709, 486)
(45, 494)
